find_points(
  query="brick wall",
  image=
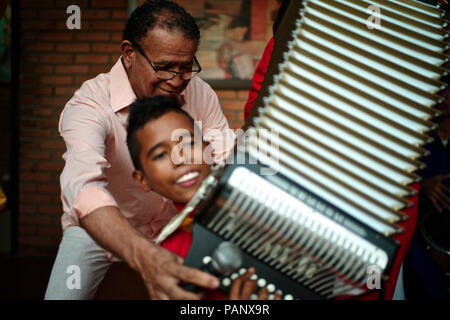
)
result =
(54, 63)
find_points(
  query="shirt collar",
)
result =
(121, 92)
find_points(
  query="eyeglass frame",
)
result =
(174, 73)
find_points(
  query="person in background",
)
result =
(426, 272)
(261, 68)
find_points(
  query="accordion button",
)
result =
(242, 271)
(271, 288)
(234, 276)
(262, 282)
(288, 297)
(206, 260)
(253, 296)
(226, 282)
(254, 277)
(271, 297)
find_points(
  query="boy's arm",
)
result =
(160, 269)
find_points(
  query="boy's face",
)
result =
(168, 166)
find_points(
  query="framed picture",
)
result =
(234, 34)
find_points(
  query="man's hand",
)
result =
(163, 271)
(437, 192)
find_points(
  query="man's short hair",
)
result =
(163, 14)
(144, 110)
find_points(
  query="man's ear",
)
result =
(139, 178)
(128, 53)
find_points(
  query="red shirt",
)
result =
(179, 243)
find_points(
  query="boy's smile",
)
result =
(188, 179)
(174, 169)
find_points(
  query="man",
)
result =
(103, 207)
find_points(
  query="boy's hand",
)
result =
(243, 287)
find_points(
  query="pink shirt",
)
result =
(98, 167)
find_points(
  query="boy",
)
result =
(174, 169)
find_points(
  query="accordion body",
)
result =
(316, 191)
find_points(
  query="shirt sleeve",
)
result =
(84, 129)
(215, 128)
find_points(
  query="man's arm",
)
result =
(160, 269)
(85, 128)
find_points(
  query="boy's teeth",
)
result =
(188, 176)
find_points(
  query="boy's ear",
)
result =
(139, 178)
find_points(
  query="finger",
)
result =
(196, 277)
(236, 288)
(263, 294)
(442, 190)
(248, 288)
(446, 201)
(248, 274)
(442, 198)
(277, 295)
(246, 278)
(150, 291)
(159, 295)
(446, 193)
(435, 204)
(445, 189)
(175, 292)
(156, 290)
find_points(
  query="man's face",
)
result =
(166, 50)
(163, 161)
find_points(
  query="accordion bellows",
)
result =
(352, 105)
(344, 122)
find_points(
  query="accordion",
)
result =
(314, 193)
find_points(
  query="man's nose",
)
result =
(176, 81)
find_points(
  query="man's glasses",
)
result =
(170, 74)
